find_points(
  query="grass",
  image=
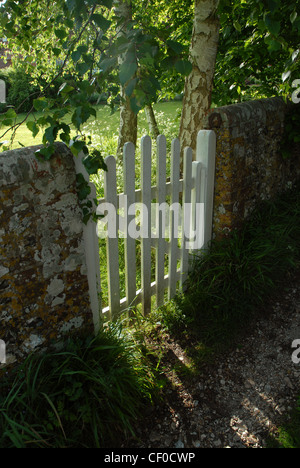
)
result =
(87, 395)
(229, 286)
(229, 283)
(104, 128)
(289, 432)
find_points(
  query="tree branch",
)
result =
(40, 94)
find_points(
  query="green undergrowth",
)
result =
(87, 395)
(230, 286)
(288, 436)
(232, 281)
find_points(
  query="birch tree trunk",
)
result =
(152, 123)
(198, 85)
(128, 119)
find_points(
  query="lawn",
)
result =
(104, 129)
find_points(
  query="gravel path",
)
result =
(239, 401)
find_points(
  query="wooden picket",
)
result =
(193, 190)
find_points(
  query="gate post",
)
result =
(206, 154)
(91, 245)
(2, 92)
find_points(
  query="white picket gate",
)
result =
(2, 92)
(190, 196)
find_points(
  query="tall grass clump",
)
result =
(288, 436)
(237, 275)
(87, 395)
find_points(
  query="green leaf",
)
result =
(8, 118)
(83, 49)
(93, 162)
(127, 71)
(65, 88)
(273, 46)
(76, 55)
(175, 46)
(293, 16)
(82, 68)
(107, 3)
(100, 21)
(86, 87)
(135, 106)
(273, 5)
(71, 4)
(56, 51)
(50, 134)
(3, 145)
(46, 152)
(296, 24)
(78, 146)
(83, 188)
(40, 104)
(295, 55)
(286, 75)
(61, 33)
(184, 67)
(272, 25)
(81, 114)
(237, 26)
(10, 114)
(32, 126)
(130, 87)
(7, 122)
(107, 63)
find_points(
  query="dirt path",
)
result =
(240, 400)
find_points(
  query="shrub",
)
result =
(20, 90)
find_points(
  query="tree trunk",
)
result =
(198, 85)
(152, 124)
(128, 123)
(128, 119)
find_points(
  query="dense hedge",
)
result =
(20, 91)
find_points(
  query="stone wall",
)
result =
(249, 164)
(44, 291)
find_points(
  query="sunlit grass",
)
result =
(104, 129)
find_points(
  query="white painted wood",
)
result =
(197, 187)
(187, 213)
(129, 215)
(138, 192)
(198, 197)
(139, 293)
(206, 154)
(175, 174)
(2, 92)
(110, 193)
(160, 221)
(146, 153)
(91, 247)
